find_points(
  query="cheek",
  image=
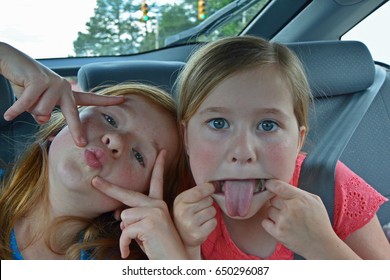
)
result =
(204, 159)
(128, 179)
(281, 159)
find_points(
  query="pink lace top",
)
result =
(356, 203)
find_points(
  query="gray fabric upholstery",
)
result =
(14, 135)
(336, 67)
(158, 73)
(335, 71)
(368, 152)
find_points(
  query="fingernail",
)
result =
(82, 141)
(7, 117)
(97, 181)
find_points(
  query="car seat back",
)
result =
(338, 72)
(14, 135)
(158, 73)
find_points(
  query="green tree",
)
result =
(171, 20)
(116, 27)
(112, 30)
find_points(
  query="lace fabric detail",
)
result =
(356, 202)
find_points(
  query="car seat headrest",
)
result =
(336, 67)
(158, 73)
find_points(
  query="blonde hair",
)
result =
(218, 60)
(25, 190)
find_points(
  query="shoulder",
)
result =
(356, 202)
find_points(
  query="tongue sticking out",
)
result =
(238, 196)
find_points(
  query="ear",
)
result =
(302, 137)
(185, 137)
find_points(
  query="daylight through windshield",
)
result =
(46, 29)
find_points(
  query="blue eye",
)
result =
(110, 120)
(268, 126)
(138, 157)
(218, 123)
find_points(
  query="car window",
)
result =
(73, 28)
(369, 31)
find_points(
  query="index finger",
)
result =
(92, 99)
(157, 179)
(126, 196)
(281, 189)
(71, 113)
(29, 97)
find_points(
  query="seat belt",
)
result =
(318, 169)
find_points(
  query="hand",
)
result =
(148, 221)
(194, 216)
(39, 89)
(298, 219)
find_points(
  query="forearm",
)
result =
(333, 249)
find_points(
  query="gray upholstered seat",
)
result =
(14, 135)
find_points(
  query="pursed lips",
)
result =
(94, 157)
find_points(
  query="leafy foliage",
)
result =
(116, 27)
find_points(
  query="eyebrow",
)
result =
(272, 111)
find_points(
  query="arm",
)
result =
(39, 89)
(370, 242)
(194, 217)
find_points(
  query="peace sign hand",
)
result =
(147, 220)
(39, 90)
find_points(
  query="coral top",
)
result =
(356, 203)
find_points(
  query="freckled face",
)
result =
(245, 129)
(123, 143)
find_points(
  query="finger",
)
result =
(269, 226)
(281, 189)
(203, 216)
(92, 99)
(196, 193)
(204, 203)
(117, 214)
(29, 97)
(157, 179)
(209, 226)
(130, 216)
(71, 114)
(126, 196)
(125, 240)
(41, 119)
(277, 202)
(273, 214)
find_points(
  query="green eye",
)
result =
(110, 120)
(138, 157)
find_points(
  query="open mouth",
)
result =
(259, 185)
(238, 194)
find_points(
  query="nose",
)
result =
(243, 149)
(115, 143)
